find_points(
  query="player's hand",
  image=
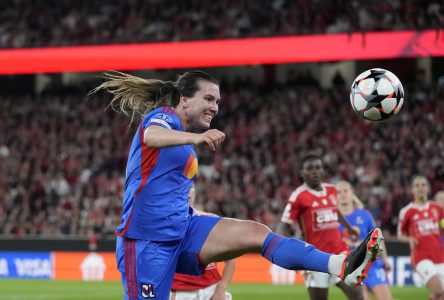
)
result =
(413, 242)
(387, 265)
(212, 137)
(354, 232)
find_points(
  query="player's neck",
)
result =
(346, 209)
(316, 187)
(420, 202)
(180, 111)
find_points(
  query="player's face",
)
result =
(344, 194)
(420, 188)
(203, 106)
(312, 172)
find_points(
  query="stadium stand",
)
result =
(62, 159)
(68, 23)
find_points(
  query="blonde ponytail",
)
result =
(135, 96)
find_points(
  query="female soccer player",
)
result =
(421, 224)
(353, 211)
(159, 234)
(313, 209)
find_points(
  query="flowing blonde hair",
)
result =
(357, 203)
(136, 97)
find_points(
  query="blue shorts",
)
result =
(148, 267)
(376, 275)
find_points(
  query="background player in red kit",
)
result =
(420, 224)
(313, 208)
(209, 285)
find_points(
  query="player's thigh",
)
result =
(147, 267)
(352, 292)
(198, 231)
(382, 292)
(427, 270)
(440, 269)
(230, 238)
(318, 293)
(376, 276)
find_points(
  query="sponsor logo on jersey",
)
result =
(426, 227)
(324, 219)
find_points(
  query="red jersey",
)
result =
(184, 282)
(422, 223)
(316, 213)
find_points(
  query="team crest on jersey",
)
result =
(147, 290)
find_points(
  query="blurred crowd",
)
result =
(66, 23)
(62, 159)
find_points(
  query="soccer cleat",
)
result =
(357, 263)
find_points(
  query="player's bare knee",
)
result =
(254, 234)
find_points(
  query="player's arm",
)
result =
(402, 230)
(352, 231)
(160, 137)
(286, 226)
(222, 285)
(384, 256)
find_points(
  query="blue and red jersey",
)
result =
(158, 182)
(360, 218)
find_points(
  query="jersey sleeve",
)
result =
(291, 210)
(403, 222)
(163, 119)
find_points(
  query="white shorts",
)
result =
(426, 269)
(202, 294)
(319, 279)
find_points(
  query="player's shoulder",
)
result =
(435, 206)
(163, 110)
(329, 187)
(364, 212)
(406, 209)
(297, 193)
(164, 116)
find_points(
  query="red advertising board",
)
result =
(102, 266)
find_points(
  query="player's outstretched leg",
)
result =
(230, 238)
(357, 263)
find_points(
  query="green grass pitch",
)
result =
(76, 290)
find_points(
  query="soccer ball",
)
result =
(376, 95)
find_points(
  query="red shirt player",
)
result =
(420, 224)
(210, 285)
(312, 207)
